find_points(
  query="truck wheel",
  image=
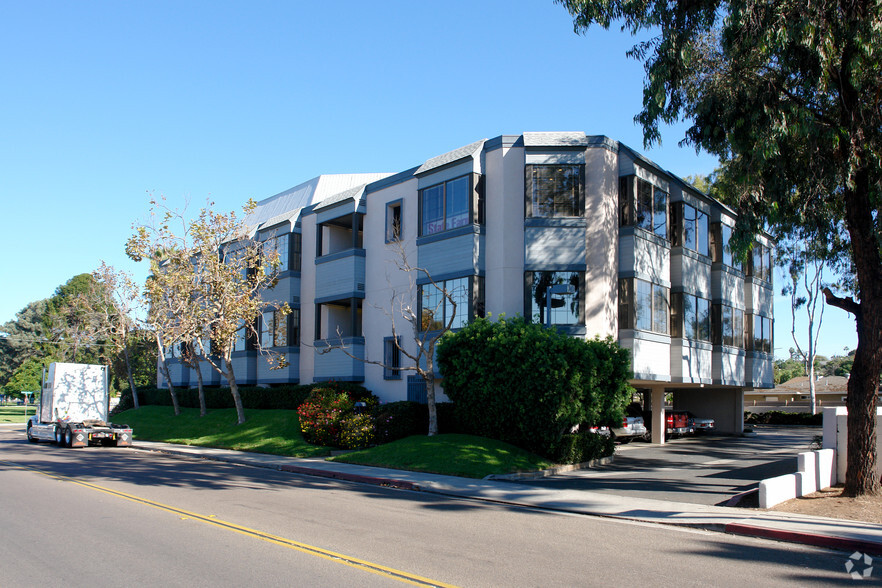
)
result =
(59, 437)
(68, 437)
(31, 438)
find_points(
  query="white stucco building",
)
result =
(498, 221)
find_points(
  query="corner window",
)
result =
(393, 221)
(391, 359)
(563, 290)
(728, 326)
(554, 191)
(277, 246)
(721, 249)
(643, 305)
(761, 333)
(296, 251)
(445, 206)
(643, 205)
(690, 317)
(761, 262)
(689, 228)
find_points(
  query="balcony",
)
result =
(334, 364)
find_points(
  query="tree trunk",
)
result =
(202, 408)
(813, 399)
(429, 377)
(234, 390)
(164, 367)
(860, 474)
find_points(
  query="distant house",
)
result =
(830, 391)
(639, 255)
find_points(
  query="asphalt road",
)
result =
(101, 516)
(703, 469)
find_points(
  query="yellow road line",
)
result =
(291, 544)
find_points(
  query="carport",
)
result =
(723, 404)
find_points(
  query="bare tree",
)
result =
(806, 291)
(208, 283)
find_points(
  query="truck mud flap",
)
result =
(78, 438)
(124, 438)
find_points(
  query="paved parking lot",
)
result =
(700, 470)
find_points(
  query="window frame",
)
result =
(394, 220)
(472, 294)
(578, 296)
(392, 358)
(576, 201)
(650, 317)
(639, 206)
(443, 205)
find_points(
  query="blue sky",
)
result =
(105, 104)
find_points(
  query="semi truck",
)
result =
(74, 408)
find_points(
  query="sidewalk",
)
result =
(818, 531)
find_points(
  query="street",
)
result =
(101, 515)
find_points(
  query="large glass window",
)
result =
(643, 205)
(565, 293)
(722, 251)
(445, 206)
(554, 191)
(393, 221)
(445, 301)
(275, 329)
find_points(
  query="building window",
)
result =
(761, 333)
(643, 205)
(275, 329)
(445, 206)
(566, 302)
(728, 326)
(643, 305)
(690, 317)
(689, 228)
(296, 251)
(393, 221)
(445, 302)
(761, 262)
(721, 250)
(391, 358)
(294, 327)
(554, 190)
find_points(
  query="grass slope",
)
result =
(16, 414)
(266, 431)
(456, 455)
(278, 432)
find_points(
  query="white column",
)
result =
(658, 416)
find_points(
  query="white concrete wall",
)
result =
(836, 438)
(383, 282)
(504, 238)
(728, 366)
(650, 354)
(815, 471)
(725, 406)
(691, 361)
(307, 300)
(601, 242)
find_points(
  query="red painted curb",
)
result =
(401, 484)
(815, 539)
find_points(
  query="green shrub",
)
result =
(527, 385)
(583, 446)
(322, 415)
(397, 420)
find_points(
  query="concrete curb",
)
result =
(816, 539)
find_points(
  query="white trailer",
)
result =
(74, 408)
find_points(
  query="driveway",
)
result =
(700, 470)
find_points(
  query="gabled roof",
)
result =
(561, 139)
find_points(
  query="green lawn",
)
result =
(278, 432)
(456, 455)
(266, 431)
(16, 414)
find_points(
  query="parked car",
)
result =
(632, 428)
(699, 424)
(676, 424)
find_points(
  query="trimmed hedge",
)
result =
(583, 446)
(527, 385)
(779, 417)
(287, 397)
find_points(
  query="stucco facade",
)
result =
(637, 254)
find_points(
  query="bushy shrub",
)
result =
(527, 385)
(583, 446)
(322, 415)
